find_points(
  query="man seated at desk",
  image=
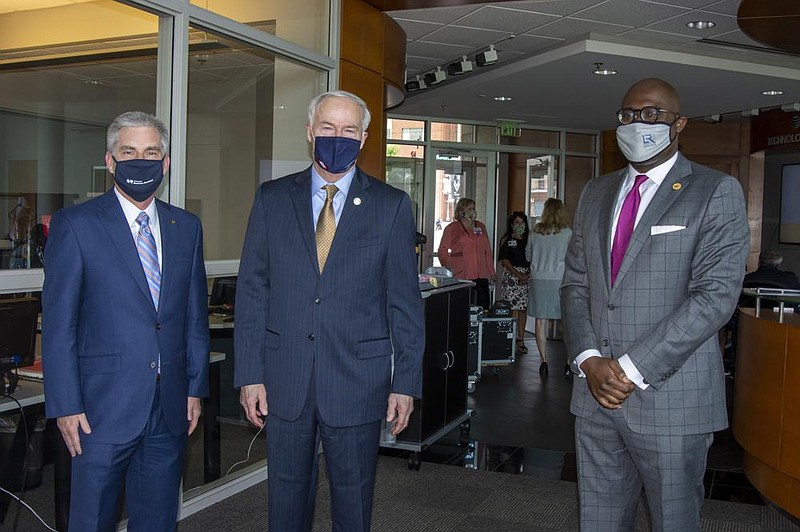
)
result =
(768, 275)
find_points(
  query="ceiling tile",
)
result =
(417, 65)
(551, 7)
(652, 36)
(726, 7)
(444, 15)
(740, 37)
(415, 29)
(470, 37)
(439, 51)
(630, 12)
(507, 20)
(690, 4)
(567, 28)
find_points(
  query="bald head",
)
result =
(655, 90)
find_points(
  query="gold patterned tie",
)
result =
(326, 227)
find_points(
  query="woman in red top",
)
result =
(465, 250)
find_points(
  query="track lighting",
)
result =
(460, 67)
(437, 76)
(489, 57)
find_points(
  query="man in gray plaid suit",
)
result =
(653, 271)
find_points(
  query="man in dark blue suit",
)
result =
(329, 322)
(125, 336)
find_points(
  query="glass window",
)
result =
(581, 142)
(247, 112)
(533, 138)
(405, 169)
(60, 87)
(467, 133)
(399, 129)
(542, 183)
(303, 22)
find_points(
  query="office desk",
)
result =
(30, 395)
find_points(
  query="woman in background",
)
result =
(465, 250)
(516, 271)
(547, 247)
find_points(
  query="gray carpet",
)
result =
(441, 498)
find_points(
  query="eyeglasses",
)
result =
(649, 115)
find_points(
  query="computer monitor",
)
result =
(18, 320)
(223, 292)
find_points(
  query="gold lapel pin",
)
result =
(173, 222)
(676, 186)
(356, 201)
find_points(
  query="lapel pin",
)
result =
(173, 222)
(356, 201)
(676, 186)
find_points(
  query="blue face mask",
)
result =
(139, 178)
(336, 154)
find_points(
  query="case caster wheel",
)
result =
(414, 462)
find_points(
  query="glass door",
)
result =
(542, 184)
(452, 174)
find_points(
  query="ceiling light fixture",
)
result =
(489, 57)
(460, 67)
(602, 71)
(415, 85)
(772, 92)
(713, 119)
(502, 98)
(700, 25)
(437, 76)
(748, 113)
(790, 107)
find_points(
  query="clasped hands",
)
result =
(607, 381)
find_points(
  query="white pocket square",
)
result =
(661, 229)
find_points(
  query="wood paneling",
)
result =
(362, 35)
(766, 406)
(369, 86)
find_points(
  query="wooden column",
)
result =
(372, 64)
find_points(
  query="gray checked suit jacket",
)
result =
(676, 287)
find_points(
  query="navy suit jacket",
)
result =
(340, 327)
(102, 335)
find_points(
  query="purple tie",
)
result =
(627, 219)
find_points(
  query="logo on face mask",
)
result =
(640, 142)
(139, 178)
(336, 154)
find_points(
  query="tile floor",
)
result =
(522, 425)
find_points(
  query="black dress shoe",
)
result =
(543, 369)
(567, 371)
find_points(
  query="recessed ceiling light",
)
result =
(502, 98)
(600, 70)
(772, 92)
(700, 24)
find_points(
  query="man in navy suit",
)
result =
(125, 336)
(329, 335)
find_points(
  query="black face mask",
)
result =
(139, 178)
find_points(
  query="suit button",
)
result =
(152, 365)
(311, 337)
(158, 326)
(611, 307)
(318, 301)
(605, 342)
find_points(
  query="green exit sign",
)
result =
(510, 129)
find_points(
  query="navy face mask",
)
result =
(139, 178)
(336, 154)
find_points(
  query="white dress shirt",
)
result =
(318, 194)
(132, 211)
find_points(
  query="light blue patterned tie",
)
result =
(146, 246)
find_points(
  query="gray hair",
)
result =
(317, 101)
(136, 119)
(770, 257)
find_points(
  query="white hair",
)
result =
(317, 101)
